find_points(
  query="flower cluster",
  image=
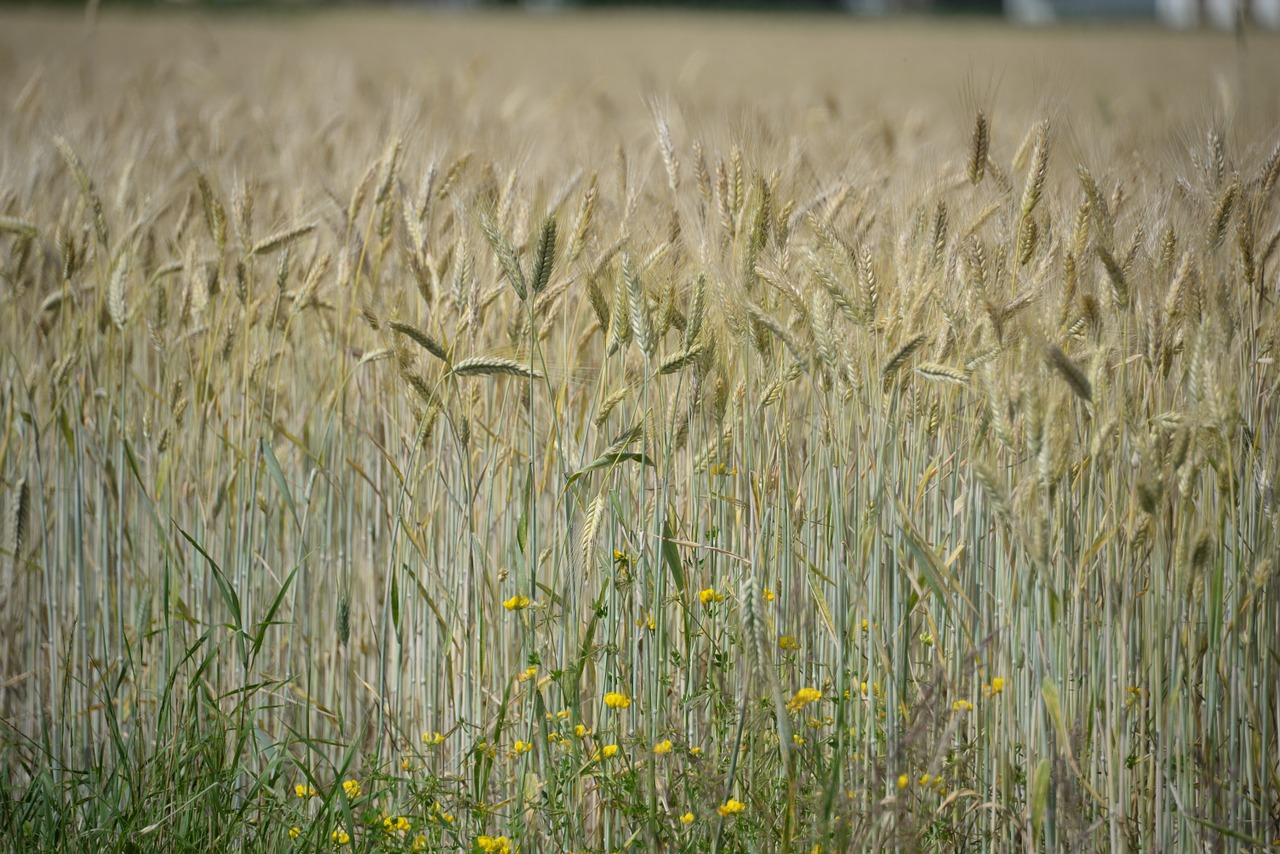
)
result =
(802, 698)
(731, 807)
(494, 844)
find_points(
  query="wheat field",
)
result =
(551, 433)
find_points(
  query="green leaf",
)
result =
(1052, 703)
(228, 594)
(1039, 800)
(273, 466)
(395, 601)
(671, 554)
(610, 460)
(522, 527)
(584, 647)
(267, 620)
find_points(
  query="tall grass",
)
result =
(713, 492)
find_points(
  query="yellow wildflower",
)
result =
(662, 748)
(695, 751)
(796, 737)
(304, 791)
(340, 837)
(616, 700)
(529, 673)
(996, 686)
(420, 843)
(494, 844)
(687, 818)
(731, 807)
(803, 697)
(609, 751)
(768, 595)
(352, 788)
(432, 738)
(295, 832)
(581, 731)
(521, 747)
(517, 603)
(709, 596)
(962, 705)
(788, 643)
(392, 824)
(903, 781)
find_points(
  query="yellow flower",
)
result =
(304, 791)
(521, 747)
(420, 843)
(788, 643)
(768, 595)
(924, 779)
(494, 844)
(517, 603)
(695, 751)
(731, 807)
(352, 788)
(295, 832)
(996, 686)
(563, 714)
(340, 837)
(687, 818)
(709, 597)
(392, 824)
(797, 738)
(616, 700)
(581, 731)
(609, 751)
(803, 697)
(662, 748)
(865, 625)
(962, 705)
(432, 738)
(529, 673)
(903, 781)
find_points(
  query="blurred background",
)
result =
(1226, 15)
